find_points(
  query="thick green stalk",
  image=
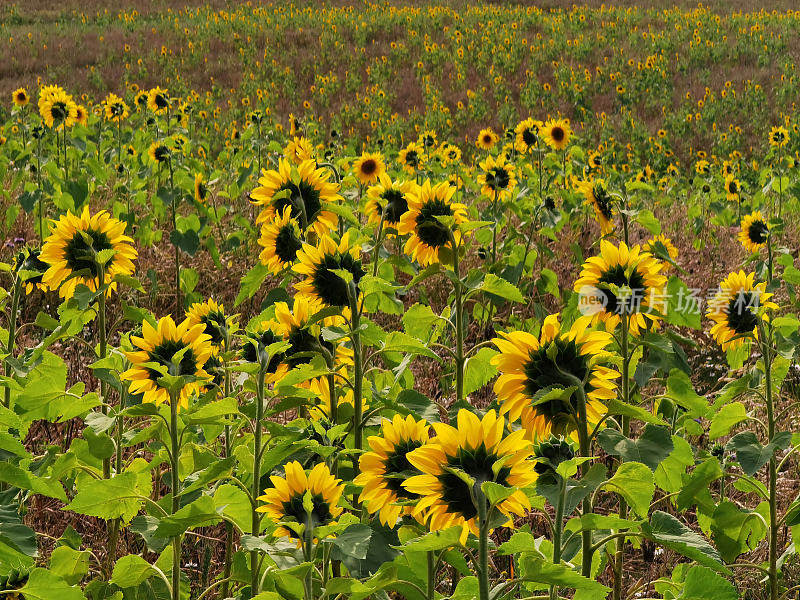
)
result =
(256, 492)
(12, 334)
(378, 240)
(103, 343)
(431, 575)
(226, 569)
(483, 546)
(459, 349)
(173, 199)
(558, 527)
(176, 500)
(358, 369)
(766, 348)
(584, 450)
(619, 558)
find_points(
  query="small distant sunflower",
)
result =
(737, 308)
(140, 100)
(115, 109)
(427, 138)
(158, 100)
(732, 189)
(754, 233)
(527, 135)
(200, 189)
(497, 179)
(384, 468)
(159, 346)
(778, 137)
(28, 260)
(556, 133)
(702, 168)
(529, 365)
(212, 316)
(487, 139)
(428, 234)
(388, 199)
(281, 240)
(321, 411)
(306, 194)
(369, 167)
(318, 263)
(71, 248)
(476, 447)
(661, 247)
(596, 195)
(284, 501)
(20, 97)
(81, 115)
(158, 152)
(411, 158)
(299, 149)
(622, 281)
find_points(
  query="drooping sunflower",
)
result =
(72, 246)
(778, 137)
(299, 149)
(529, 365)
(306, 194)
(556, 133)
(284, 501)
(384, 468)
(428, 234)
(28, 260)
(388, 199)
(622, 281)
(661, 247)
(487, 138)
(115, 108)
(732, 189)
(527, 135)
(318, 263)
(497, 178)
(158, 347)
(476, 447)
(596, 195)
(754, 233)
(369, 167)
(20, 97)
(281, 240)
(200, 189)
(411, 157)
(158, 100)
(58, 109)
(305, 337)
(737, 308)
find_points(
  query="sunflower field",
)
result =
(399, 301)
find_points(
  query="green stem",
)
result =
(766, 349)
(227, 560)
(483, 545)
(585, 451)
(558, 526)
(358, 370)
(177, 282)
(102, 335)
(176, 501)
(459, 349)
(256, 516)
(431, 575)
(378, 240)
(12, 334)
(619, 559)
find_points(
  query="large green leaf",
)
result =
(46, 585)
(652, 447)
(736, 531)
(542, 571)
(634, 482)
(667, 531)
(751, 454)
(704, 584)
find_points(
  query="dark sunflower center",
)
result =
(304, 195)
(741, 312)
(160, 101)
(320, 514)
(397, 468)
(256, 344)
(117, 109)
(412, 158)
(498, 178)
(487, 139)
(214, 323)
(331, 288)
(287, 244)
(21, 97)
(396, 205)
(202, 190)
(732, 187)
(32, 262)
(80, 255)
(300, 342)
(432, 232)
(635, 290)
(529, 137)
(161, 153)
(163, 354)
(558, 134)
(478, 465)
(59, 110)
(757, 232)
(603, 201)
(369, 166)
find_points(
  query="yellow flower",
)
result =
(556, 133)
(369, 167)
(20, 97)
(737, 308)
(596, 195)
(318, 263)
(754, 233)
(158, 100)
(496, 178)
(487, 138)
(281, 240)
(527, 135)
(299, 149)
(115, 108)
(778, 137)
(411, 157)
(388, 199)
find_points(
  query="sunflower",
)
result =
(212, 316)
(427, 138)
(158, 100)
(527, 135)
(81, 115)
(556, 133)
(28, 260)
(754, 233)
(661, 247)
(449, 153)
(732, 189)
(158, 152)
(115, 109)
(737, 308)
(72, 248)
(384, 468)
(140, 100)
(200, 189)
(596, 195)
(411, 158)
(621, 281)
(529, 366)
(305, 337)
(369, 167)
(496, 178)
(476, 447)
(155, 353)
(306, 193)
(702, 168)
(428, 234)
(284, 502)
(255, 349)
(318, 263)
(299, 149)
(281, 240)
(58, 109)
(20, 97)
(487, 138)
(388, 199)
(321, 411)
(778, 137)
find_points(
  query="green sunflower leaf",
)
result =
(634, 482)
(666, 530)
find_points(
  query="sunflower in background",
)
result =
(497, 178)
(115, 109)
(321, 411)
(529, 366)
(487, 139)
(428, 234)
(158, 347)
(732, 189)
(20, 97)
(411, 157)
(318, 263)
(57, 108)
(526, 135)
(305, 337)
(306, 194)
(158, 100)
(158, 152)
(299, 149)
(557, 133)
(217, 325)
(754, 233)
(369, 167)
(622, 281)
(596, 195)
(255, 349)
(662, 248)
(737, 308)
(388, 200)
(384, 468)
(778, 137)
(28, 260)
(200, 189)
(72, 252)
(478, 448)
(81, 115)
(282, 240)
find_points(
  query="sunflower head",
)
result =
(318, 264)
(597, 196)
(778, 137)
(533, 370)
(57, 108)
(300, 502)
(159, 152)
(527, 135)
(732, 189)
(387, 200)
(497, 179)
(86, 249)
(487, 138)
(754, 233)
(115, 109)
(299, 149)
(28, 260)
(200, 189)
(168, 349)
(411, 157)
(212, 316)
(557, 133)
(305, 336)
(549, 453)
(321, 411)
(369, 167)
(475, 450)
(282, 240)
(256, 349)
(427, 233)
(662, 248)
(20, 97)
(158, 100)
(737, 309)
